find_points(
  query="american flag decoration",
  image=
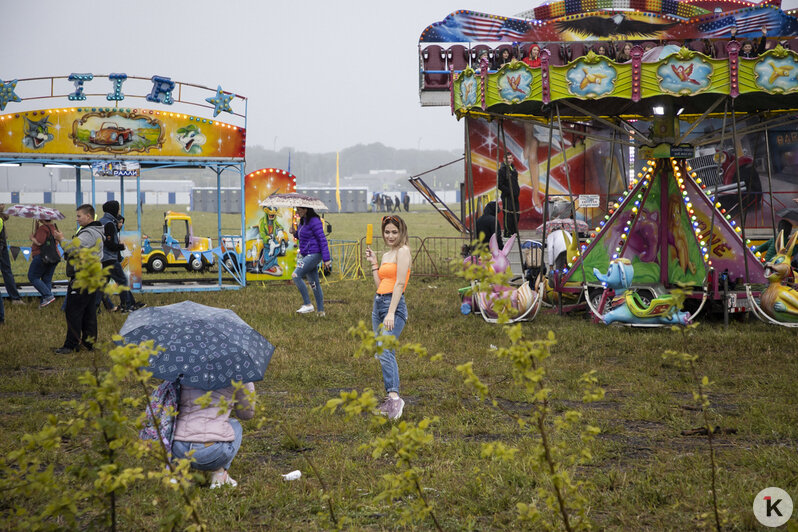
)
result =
(473, 26)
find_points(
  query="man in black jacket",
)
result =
(81, 305)
(508, 186)
(111, 255)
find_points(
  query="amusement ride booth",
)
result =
(116, 126)
(664, 128)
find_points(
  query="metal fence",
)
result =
(432, 256)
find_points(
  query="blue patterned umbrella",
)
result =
(209, 347)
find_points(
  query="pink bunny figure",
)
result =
(521, 298)
(500, 263)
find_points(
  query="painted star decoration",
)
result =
(221, 102)
(7, 93)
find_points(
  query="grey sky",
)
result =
(303, 65)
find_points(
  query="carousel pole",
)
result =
(469, 179)
(770, 183)
(570, 195)
(719, 178)
(740, 205)
(545, 241)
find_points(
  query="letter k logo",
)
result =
(772, 506)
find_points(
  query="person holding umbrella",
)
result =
(210, 432)
(40, 272)
(389, 312)
(313, 249)
(204, 348)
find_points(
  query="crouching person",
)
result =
(210, 431)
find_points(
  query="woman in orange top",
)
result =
(390, 311)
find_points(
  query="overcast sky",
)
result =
(320, 75)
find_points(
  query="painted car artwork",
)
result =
(117, 132)
(111, 133)
(684, 77)
(515, 84)
(588, 79)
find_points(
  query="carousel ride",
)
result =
(688, 83)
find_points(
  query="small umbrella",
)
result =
(208, 347)
(38, 212)
(566, 224)
(293, 199)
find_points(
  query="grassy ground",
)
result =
(645, 475)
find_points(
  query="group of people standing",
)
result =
(384, 203)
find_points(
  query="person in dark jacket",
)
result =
(406, 202)
(111, 255)
(5, 262)
(488, 225)
(508, 186)
(81, 305)
(313, 249)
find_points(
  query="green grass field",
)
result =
(644, 474)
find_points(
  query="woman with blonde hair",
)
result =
(389, 312)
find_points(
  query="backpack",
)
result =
(165, 396)
(49, 251)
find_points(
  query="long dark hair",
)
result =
(310, 213)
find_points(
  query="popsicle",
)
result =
(369, 234)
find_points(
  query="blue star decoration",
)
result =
(221, 102)
(7, 93)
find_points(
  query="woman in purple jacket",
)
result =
(312, 250)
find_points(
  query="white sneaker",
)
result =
(222, 479)
(304, 309)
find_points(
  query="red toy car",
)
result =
(111, 133)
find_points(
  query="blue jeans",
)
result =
(215, 456)
(307, 267)
(390, 369)
(117, 274)
(41, 275)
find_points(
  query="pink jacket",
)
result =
(206, 425)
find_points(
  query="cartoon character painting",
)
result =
(780, 300)
(37, 133)
(677, 236)
(275, 242)
(627, 306)
(190, 138)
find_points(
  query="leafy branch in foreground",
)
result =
(404, 442)
(42, 494)
(701, 399)
(552, 455)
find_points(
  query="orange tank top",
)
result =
(387, 274)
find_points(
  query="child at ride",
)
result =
(40, 274)
(747, 49)
(625, 55)
(502, 58)
(312, 250)
(533, 59)
(389, 311)
(209, 431)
